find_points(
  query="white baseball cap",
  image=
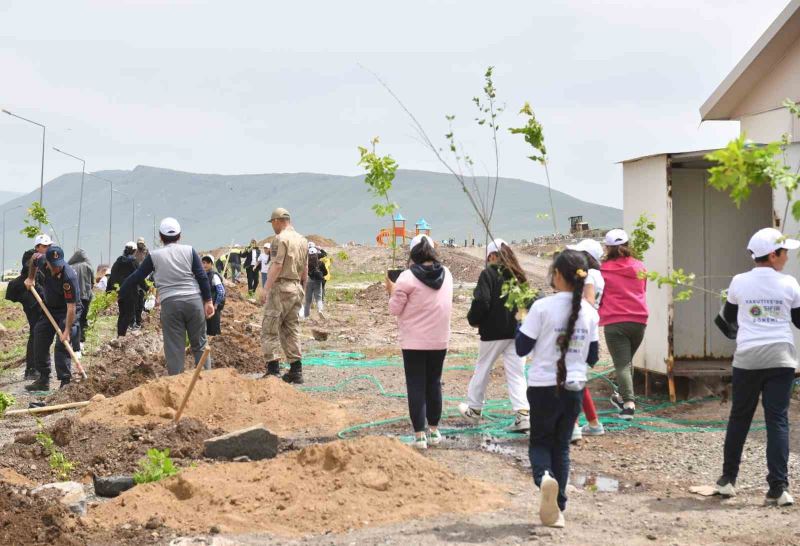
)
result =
(616, 237)
(418, 239)
(591, 246)
(312, 251)
(42, 239)
(494, 246)
(130, 244)
(768, 240)
(169, 227)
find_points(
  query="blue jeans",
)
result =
(553, 414)
(263, 279)
(774, 385)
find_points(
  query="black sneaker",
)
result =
(627, 414)
(778, 496)
(40, 385)
(726, 487)
(617, 401)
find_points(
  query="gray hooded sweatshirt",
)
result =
(83, 268)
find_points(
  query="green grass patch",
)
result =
(357, 277)
(342, 295)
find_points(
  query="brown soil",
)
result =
(463, 267)
(222, 398)
(40, 519)
(332, 487)
(102, 450)
(118, 366)
(12, 336)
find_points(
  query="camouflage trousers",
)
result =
(280, 325)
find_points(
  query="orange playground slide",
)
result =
(384, 237)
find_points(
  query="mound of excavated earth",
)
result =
(222, 399)
(323, 488)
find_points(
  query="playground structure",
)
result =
(385, 238)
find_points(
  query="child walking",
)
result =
(497, 327)
(562, 332)
(593, 293)
(214, 324)
(762, 305)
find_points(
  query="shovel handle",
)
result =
(58, 331)
(195, 375)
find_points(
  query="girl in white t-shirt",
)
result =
(593, 293)
(263, 259)
(561, 333)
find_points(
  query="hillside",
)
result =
(6, 196)
(218, 209)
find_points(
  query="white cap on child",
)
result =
(591, 246)
(494, 246)
(418, 239)
(768, 240)
(616, 237)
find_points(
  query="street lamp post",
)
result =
(80, 199)
(110, 208)
(3, 271)
(44, 133)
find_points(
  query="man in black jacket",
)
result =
(122, 268)
(497, 326)
(251, 265)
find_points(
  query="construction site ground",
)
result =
(343, 475)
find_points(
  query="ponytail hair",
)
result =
(573, 267)
(509, 260)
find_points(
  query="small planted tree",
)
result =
(380, 175)
(35, 218)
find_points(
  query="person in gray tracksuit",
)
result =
(184, 293)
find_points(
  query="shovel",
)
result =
(75, 359)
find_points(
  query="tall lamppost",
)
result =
(133, 212)
(44, 132)
(80, 199)
(3, 271)
(110, 208)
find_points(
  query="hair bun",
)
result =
(580, 273)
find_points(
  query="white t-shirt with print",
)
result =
(546, 321)
(595, 278)
(765, 298)
(263, 259)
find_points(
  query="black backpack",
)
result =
(15, 290)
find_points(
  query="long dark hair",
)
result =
(573, 267)
(509, 260)
(313, 261)
(423, 252)
(616, 252)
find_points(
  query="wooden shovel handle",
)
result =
(58, 331)
(195, 375)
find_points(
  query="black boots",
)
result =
(295, 373)
(31, 374)
(273, 369)
(41, 384)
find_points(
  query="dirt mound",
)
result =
(101, 449)
(374, 293)
(40, 519)
(221, 398)
(323, 488)
(463, 267)
(118, 366)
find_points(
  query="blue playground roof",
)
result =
(399, 218)
(423, 224)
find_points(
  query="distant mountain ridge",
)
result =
(216, 210)
(6, 196)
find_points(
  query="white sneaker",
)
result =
(522, 423)
(560, 522)
(434, 437)
(421, 442)
(577, 434)
(785, 499)
(548, 505)
(468, 413)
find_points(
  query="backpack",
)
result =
(15, 290)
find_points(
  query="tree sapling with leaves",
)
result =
(380, 175)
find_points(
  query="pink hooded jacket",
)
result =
(423, 313)
(624, 295)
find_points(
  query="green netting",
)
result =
(497, 414)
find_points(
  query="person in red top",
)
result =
(623, 314)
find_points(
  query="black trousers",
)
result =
(213, 324)
(127, 309)
(33, 313)
(774, 386)
(424, 385)
(137, 315)
(44, 334)
(252, 278)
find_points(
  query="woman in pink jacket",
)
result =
(422, 301)
(623, 314)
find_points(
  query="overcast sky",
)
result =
(255, 87)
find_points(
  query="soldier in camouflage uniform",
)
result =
(283, 296)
